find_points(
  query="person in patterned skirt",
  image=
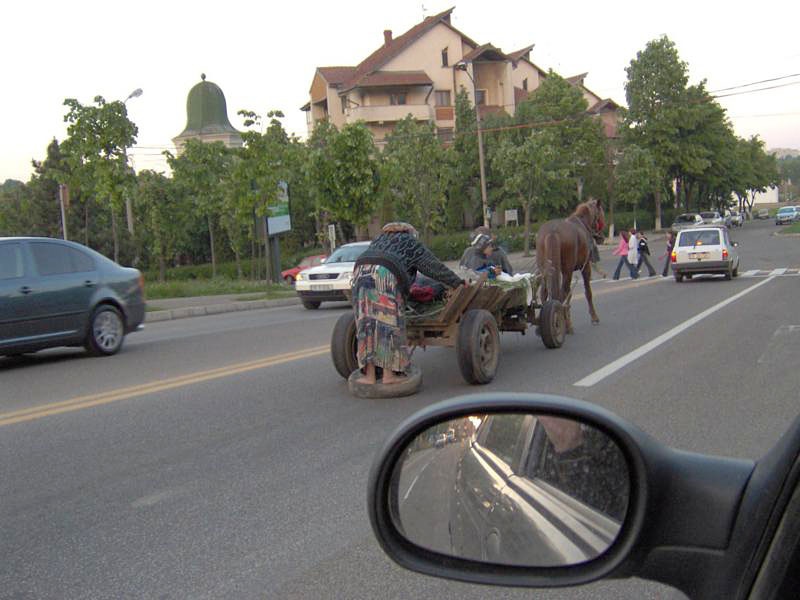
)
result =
(382, 278)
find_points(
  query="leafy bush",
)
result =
(450, 246)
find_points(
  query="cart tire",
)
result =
(379, 390)
(478, 346)
(344, 344)
(552, 324)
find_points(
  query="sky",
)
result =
(263, 56)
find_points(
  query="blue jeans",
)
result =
(623, 260)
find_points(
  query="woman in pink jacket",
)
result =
(623, 250)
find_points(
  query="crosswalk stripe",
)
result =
(750, 273)
(778, 271)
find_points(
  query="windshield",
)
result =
(704, 237)
(685, 219)
(785, 211)
(708, 215)
(346, 254)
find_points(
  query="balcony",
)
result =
(389, 113)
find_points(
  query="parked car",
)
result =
(762, 213)
(290, 275)
(451, 435)
(704, 250)
(737, 218)
(686, 220)
(712, 217)
(329, 282)
(59, 293)
(441, 440)
(787, 214)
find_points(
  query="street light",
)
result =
(462, 66)
(128, 202)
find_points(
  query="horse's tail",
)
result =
(550, 265)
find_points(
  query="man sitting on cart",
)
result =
(382, 279)
(478, 257)
(498, 256)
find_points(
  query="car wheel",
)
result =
(311, 304)
(679, 277)
(736, 271)
(729, 274)
(106, 331)
(289, 280)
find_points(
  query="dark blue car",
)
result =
(59, 293)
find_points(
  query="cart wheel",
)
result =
(478, 346)
(344, 345)
(552, 325)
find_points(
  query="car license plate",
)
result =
(698, 255)
(321, 287)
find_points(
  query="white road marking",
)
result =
(621, 362)
(750, 273)
(778, 271)
(413, 483)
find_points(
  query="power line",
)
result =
(771, 87)
(755, 83)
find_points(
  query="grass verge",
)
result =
(793, 228)
(215, 287)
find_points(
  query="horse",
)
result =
(564, 246)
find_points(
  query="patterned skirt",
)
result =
(380, 319)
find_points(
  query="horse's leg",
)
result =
(587, 290)
(565, 294)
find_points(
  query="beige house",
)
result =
(420, 72)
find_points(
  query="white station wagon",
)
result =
(704, 250)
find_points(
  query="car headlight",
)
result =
(347, 275)
(301, 276)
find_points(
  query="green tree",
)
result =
(414, 172)
(200, 172)
(637, 175)
(163, 216)
(98, 138)
(464, 195)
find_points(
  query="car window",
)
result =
(699, 238)
(708, 215)
(55, 259)
(685, 219)
(503, 436)
(11, 261)
(346, 254)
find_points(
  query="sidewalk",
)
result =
(198, 306)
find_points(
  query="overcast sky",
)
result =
(263, 56)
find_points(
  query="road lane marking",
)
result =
(621, 362)
(778, 271)
(81, 402)
(413, 483)
(750, 273)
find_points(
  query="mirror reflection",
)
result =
(512, 489)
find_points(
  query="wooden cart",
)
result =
(470, 321)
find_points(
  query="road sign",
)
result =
(280, 220)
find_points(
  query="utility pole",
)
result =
(462, 66)
(63, 199)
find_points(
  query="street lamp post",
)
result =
(128, 202)
(462, 66)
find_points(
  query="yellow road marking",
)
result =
(81, 402)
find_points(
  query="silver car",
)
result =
(712, 217)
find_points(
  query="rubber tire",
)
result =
(289, 280)
(478, 346)
(311, 304)
(728, 274)
(97, 347)
(678, 277)
(689, 276)
(343, 345)
(736, 271)
(552, 324)
(379, 390)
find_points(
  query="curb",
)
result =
(216, 309)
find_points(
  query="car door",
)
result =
(15, 314)
(62, 290)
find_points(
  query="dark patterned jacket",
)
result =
(403, 255)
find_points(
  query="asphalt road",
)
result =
(222, 456)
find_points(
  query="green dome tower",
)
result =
(207, 117)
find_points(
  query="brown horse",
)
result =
(564, 246)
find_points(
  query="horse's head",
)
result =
(591, 212)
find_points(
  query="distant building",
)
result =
(207, 117)
(418, 74)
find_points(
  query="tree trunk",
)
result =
(658, 209)
(527, 237)
(114, 235)
(162, 267)
(213, 249)
(237, 257)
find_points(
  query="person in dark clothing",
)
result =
(644, 254)
(668, 253)
(382, 280)
(477, 256)
(498, 255)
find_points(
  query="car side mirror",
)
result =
(546, 491)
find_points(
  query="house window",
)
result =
(445, 134)
(444, 57)
(525, 84)
(480, 97)
(399, 98)
(443, 98)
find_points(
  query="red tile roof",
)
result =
(522, 53)
(484, 49)
(603, 106)
(389, 78)
(336, 75)
(389, 50)
(577, 79)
